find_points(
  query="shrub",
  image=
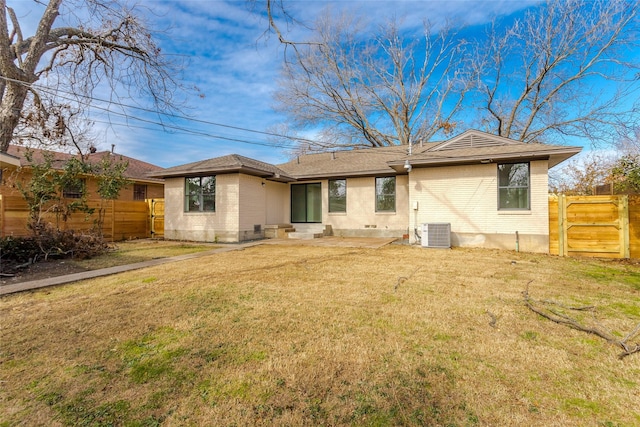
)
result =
(48, 242)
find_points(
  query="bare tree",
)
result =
(372, 88)
(96, 42)
(580, 177)
(629, 142)
(561, 70)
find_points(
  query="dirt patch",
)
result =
(42, 270)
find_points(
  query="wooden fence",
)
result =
(122, 219)
(156, 217)
(597, 226)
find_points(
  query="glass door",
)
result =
(306, 203)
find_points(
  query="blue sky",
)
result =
(235, 65)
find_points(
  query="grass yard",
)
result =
(133, 251)
(287, 335)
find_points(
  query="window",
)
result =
(200, 194)
(386, 194)
(337, 195)
(74, 189)
(139, 192)
(513, 186)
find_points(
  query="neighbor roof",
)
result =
(136, 169)
(9, 159)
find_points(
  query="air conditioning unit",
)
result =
(436, 235)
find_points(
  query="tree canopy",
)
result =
(77, 47)
(376, 89)
(563, 68)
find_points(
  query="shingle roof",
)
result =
(136, 170)
(475, 146)
(361, 162)
(469, 147)
(227, 164)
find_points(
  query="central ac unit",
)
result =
(436, 235)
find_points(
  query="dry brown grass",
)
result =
(132, 251)
(276, 335)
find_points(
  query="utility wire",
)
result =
(57, 92)
(322, 147)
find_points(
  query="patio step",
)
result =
(308, 231)
(277, 231)
(304, 235)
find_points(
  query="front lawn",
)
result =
(288, 335)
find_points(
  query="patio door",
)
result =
(306, 203)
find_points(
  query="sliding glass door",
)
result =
(306, 202)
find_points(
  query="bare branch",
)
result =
(559, 55)
(376, 89)
(112, 47)
(563, 319)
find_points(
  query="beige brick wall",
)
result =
(277, 203)
(467, 197)
(361, 218)
(222, 225)
(253, 210)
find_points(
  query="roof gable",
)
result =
(473, 139)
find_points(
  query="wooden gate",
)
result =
(589, 226)
(156, 217)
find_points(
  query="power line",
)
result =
(194, 132)
(57, 92)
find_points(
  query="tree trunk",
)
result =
(10, 108)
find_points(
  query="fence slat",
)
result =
(122, 219)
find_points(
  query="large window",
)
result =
(513, 186)
(200, 194)
(386, 194)
(337, 195)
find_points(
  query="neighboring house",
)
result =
(487, 187)
(15, 167)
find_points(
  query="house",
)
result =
(486, 187)
(15, 166)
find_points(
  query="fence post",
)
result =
(623, 216)
(150, 227)
(1, 217)
(562, 231)
(113, 220)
